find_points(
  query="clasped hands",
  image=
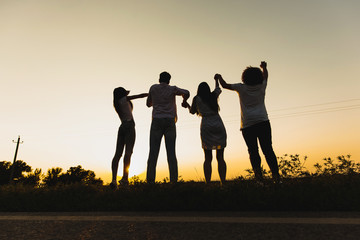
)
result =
(185, 104)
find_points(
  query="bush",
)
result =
(291, 166)
(73, 175)
(344, 166)
(22, 174)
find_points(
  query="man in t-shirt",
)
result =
(255, 123)
(162, 99)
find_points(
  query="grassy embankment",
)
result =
(312, 193)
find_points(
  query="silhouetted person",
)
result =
(255, 123)
(162, 99)
(126, 134)
(212, 129)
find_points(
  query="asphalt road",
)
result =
(180, 225)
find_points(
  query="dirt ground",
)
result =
(151, 230)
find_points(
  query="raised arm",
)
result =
(263, 65)
(142, 95)
(216, 82)
(222, 82)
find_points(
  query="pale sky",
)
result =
(60, 61)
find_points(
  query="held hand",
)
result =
(185, 104)
(263, 64)
(217, 76)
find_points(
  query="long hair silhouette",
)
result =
(207, 96)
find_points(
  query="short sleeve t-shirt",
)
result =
(162, 98)
(252, 103)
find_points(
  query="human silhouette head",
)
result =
(120, 92)
(203, 89)
(165, 77)
(252, 76)
(207, 96)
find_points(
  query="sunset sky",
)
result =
(60, 61)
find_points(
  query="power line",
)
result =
(316, 111)
(307, 112)
(189, 125)
(315, 105)
(235, 118)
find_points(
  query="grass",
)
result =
(313, 193)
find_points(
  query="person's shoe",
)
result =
(277, 180)
(124, 182)
(113, 185)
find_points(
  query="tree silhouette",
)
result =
(79, 175)
(33, 178)
(5, 168)
(73, 175)
(53, 177)
(22, 173)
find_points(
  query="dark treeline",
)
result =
(290, 166)
(333, 185)
(25, 175)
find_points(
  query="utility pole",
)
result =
(13, 165)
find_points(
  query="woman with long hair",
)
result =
(126, 133)
(212, 129)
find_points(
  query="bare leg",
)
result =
(117, 156)
(221, 164)
(207, 165)
(127, 158)
(130, 141)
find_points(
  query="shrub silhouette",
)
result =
(291, 166)
(33, 178)
(73, 175)
(79, 175)
(343, 166)
(5, 168)
(52, 177)
(23, 173)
